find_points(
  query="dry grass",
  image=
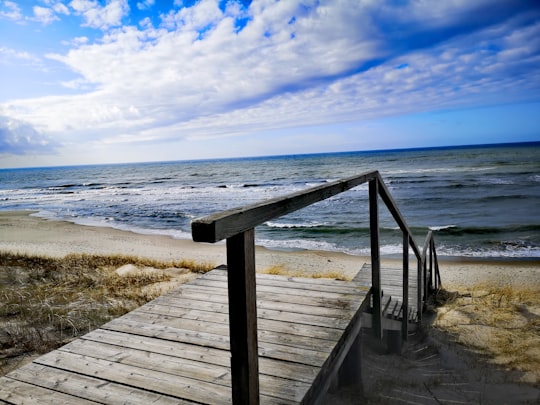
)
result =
(45, 302)
(280, 270)
(503, 323)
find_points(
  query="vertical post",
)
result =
(405, 320)
(419, 289)
(425, 283)
(430, 265)
(375, 256)
(437, 272)
(243, 318)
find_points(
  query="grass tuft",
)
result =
(45, 302)
(280, 270)
(502, 322)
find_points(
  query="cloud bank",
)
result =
(221, 69)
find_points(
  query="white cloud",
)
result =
(143, 5)
(10, 10)
(60, 8)
(44, 15)
(12, 56)
(101, 17)
(76, 42)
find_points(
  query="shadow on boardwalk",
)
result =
(432, 369)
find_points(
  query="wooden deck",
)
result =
(392, 290)
(175, 349)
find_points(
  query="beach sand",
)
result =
(448, 362)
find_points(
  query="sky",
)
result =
(94, 81)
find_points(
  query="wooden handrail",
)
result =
(237, 227)
(225, 224)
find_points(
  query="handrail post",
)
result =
(425, 283)
(419, 289)
(437, 272)
(405, 320)
(243, 317)
(430, 265)
(375, 257)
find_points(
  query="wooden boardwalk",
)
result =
(392, 291)
(175, 349)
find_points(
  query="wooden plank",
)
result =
(270, 284)
(199, 293)
(128, 325)
(223, 225)
(272, 367)
(307, 283)
(214, 289)
(217, 287)
(81, 386)
(196, 319)
(269, 320)
(138, 357)
(287, 332)
(18, 392)
(171, 348)
(272, 386)
(174, 386)
(215, 307)
(268, 349)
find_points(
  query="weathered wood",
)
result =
(223, 225)
(328, 293)
(150, 380)
(431, 264)
(203, 294)
(276, 386)
(375, 257)
(391, 285)
(306, 306)
(291, 334)
(183, 354)
(405, 287)
(243, 317)
(437, 272)
(332, 365)
(394, 211)
(293, 283)
(82, 387)
(208, 355)
(419, 288)
(13, 391)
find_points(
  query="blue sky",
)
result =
(88, 81)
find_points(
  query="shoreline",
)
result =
(22, 232)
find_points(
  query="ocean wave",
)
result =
(500, 181)
(281, 225)
(486, 230)
(441, 227)
(509, 251)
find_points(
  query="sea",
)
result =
(481, 201)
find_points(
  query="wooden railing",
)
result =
(237, 226)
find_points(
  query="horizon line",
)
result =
(416, 148)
